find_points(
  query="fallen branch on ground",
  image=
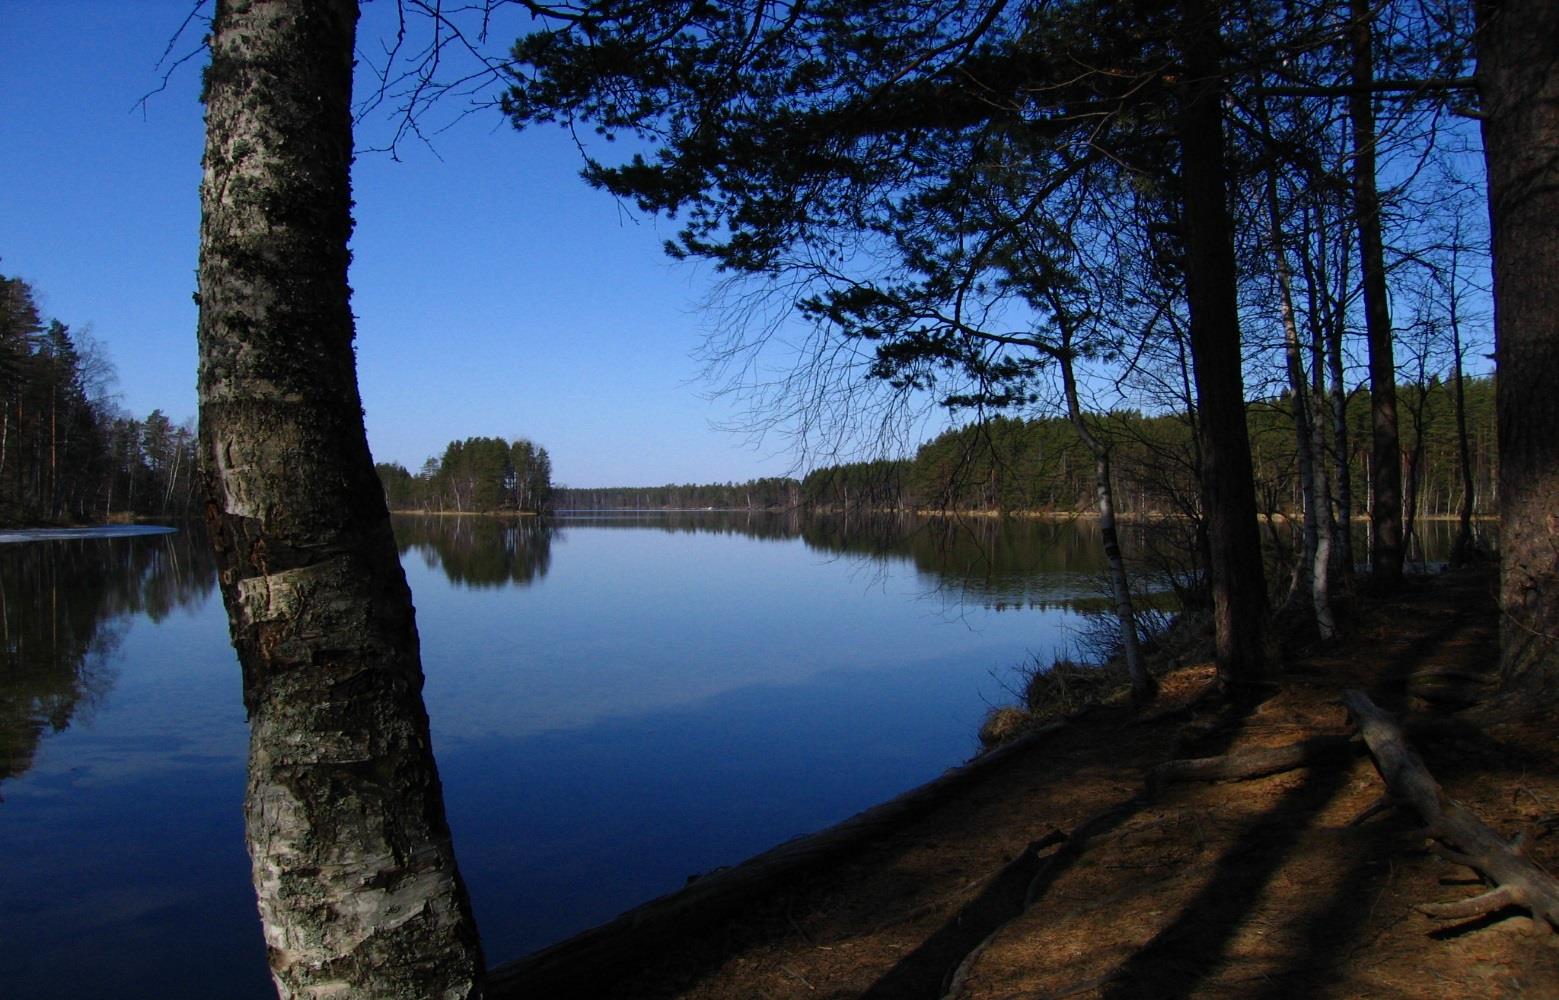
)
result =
(1462, 837)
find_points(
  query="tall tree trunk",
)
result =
(1518, 75)
(1386, 463)
(1414, 459)
(54, 450)
(1228, 484)
(1329, 527)
(1325, 556)
(352, 859)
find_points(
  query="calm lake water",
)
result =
(617, 703)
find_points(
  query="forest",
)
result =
(1042, 465)
(1007, 464)
(68, 452)
(1271, 222)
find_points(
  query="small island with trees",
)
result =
(479, 475)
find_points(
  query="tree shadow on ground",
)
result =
(927, 971)
(1191, 948)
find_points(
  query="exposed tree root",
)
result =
(1461, 836)
(1257, 763)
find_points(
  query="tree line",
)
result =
(767, 493)
(474, 476)
(1006, 464)
(68, 452)
(1042, 464)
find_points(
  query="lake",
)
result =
(617, 703)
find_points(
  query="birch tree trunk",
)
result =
(353, 864)
(1313, 568)
(1518, 75)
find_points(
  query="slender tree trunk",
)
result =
(1326, 343)
(1326, 533)
(1143, 686)
(1386, 464)
(1461, 549)
(1228, 484)
(352, 859)
(1518, 75)
(1414, 460)
(1313, 571)
(1328, 527)
(54, 455)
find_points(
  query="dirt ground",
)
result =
(1066, 869)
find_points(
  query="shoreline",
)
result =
(990, 877)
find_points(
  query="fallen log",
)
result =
(1258, 763)
(1462, 837)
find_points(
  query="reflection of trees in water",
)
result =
(64, 608)
(1002, 562)
(1015, 562)
(772, 525)
(478, 551)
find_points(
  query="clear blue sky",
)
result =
(495, 293)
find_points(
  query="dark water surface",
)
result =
(617, 703)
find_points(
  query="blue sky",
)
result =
(495, 293)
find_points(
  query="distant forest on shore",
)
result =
(1008, 464)
(68, 452)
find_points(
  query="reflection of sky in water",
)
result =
(125, 870)
(629, 621)
(660, 704)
